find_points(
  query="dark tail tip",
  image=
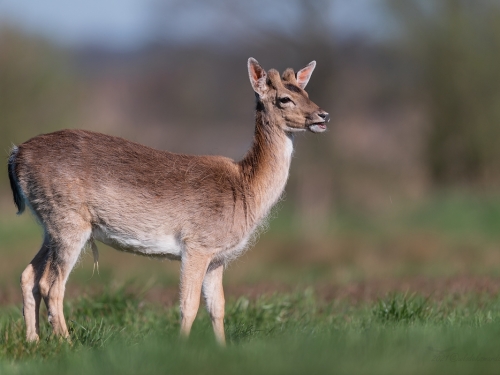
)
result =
(14, 185)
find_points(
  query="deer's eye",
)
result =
(284, 100)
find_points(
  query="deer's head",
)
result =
(284, 99)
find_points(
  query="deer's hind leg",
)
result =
(61, 257)
(30, 279)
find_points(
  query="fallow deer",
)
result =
(84, 186)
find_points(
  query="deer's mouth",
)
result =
(318, 127)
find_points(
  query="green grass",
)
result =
(296, 333)
(459, 215)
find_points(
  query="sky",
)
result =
(127, 24)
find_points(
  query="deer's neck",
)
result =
(266, 165)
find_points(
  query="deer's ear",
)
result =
(257, 76)
(303, 75)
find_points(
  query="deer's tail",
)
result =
(14, 183)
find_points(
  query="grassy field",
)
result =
(293, 333)
(413, 290)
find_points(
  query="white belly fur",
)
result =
(159, 245)
(163, 245)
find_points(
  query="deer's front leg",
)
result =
(214, 299)
(193, 270)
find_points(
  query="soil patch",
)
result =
(359, 292)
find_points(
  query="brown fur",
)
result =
(84, 186)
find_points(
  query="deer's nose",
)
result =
(325, 116)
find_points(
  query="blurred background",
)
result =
(404, 184)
